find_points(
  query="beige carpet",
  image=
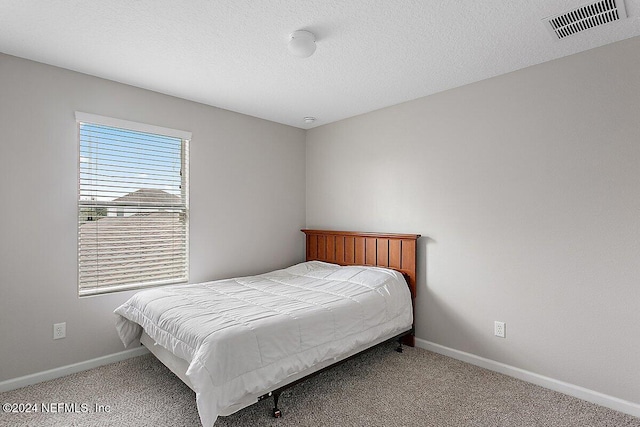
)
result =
(378, 388)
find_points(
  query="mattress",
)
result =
(241, 336)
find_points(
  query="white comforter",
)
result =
(242, 336)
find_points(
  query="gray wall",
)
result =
(247, 205)
(527, 190)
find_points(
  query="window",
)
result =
(133, 205)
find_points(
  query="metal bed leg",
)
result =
(276, 412)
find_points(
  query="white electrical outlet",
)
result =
(499, 329)
(59, 330)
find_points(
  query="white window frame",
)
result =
(185, 136)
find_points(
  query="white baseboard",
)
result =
(615, 403)
(51, 374)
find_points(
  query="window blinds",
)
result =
(132, 205)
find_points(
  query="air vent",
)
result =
(585, 17)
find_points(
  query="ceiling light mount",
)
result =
(302, 43)
(309, 119)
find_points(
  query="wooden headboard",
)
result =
(395, 251)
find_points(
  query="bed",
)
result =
(237, 341)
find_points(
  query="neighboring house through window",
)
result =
(133, 205)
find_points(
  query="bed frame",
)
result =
(395, 251)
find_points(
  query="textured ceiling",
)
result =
(233, 53)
